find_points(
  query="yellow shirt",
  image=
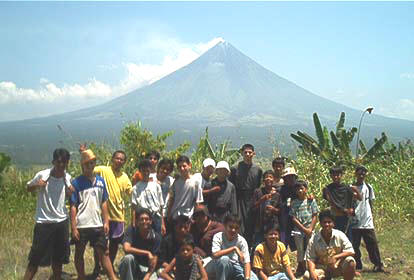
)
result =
(116, 185)
(271, 263)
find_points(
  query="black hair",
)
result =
(145, 163)
(326, 214)
(271, 227)
(153, 153)
(119, 152)
(188, 240)
(181, 159)
(268, 172)
(361, 168)
(231, 218)
(139, 211)
(166, 161)
(181, 220)
(336, 170)
(300, 183)
(247, 146)
(278, 160)
(62, 154)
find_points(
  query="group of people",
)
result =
(236, 224)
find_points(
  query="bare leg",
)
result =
(30, 272)
(106, 263)
(97, 267)
(79, 262)
(57, 271)
(113, 250)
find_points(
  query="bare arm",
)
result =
(357, 194)
(75, 232)
(312, 272)
(223, 252)
(164, 274)
(261, 274)
(105, 217)
(299, 225)
(289, 272)
(38, 185)
(203, 271)
(247, 270)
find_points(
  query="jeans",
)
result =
(371, 245)
(130, 269)
(279, 276)
(226, 269)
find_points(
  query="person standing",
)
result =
(246, 177)
(50, 234)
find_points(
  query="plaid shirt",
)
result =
(303, 211)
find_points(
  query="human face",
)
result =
(278, 169)
(231, 230)
(222, 173)
(268, 180)
(327, 224)
(336, 177)
(118, 161)
(248, 155)
(200, 218)
(184, 169)
(186, 252)
(163, 171)
(360, 176)
(301, 192)
(145, 173)
(89, 166)
(183, 229)
(60, 165)
(290, 180)
(208, 171)
(272, 237)
(154, 161)
(144, 221)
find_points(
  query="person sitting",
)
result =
(186, 264)
(270, 260)
(231, 252)
(329, 253)
(141, 246)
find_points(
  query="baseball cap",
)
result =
(223, 164)
(209, 162)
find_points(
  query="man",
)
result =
(329, 252)
(141, 247)
(51, 232)
(117, 184)
(246, 177)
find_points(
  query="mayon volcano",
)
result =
(222, 89)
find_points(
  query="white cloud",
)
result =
(407, 75)
(402, 108)
(175, 55)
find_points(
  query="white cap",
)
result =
(209, 162)
(223, 164)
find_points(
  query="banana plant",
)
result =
(334, 147)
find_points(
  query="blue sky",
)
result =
(62, 56)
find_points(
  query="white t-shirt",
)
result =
(363, 213)
(200, 179)
(51, 206)
(220, 242)
(165, 188)
(186, 194)
(148, 195)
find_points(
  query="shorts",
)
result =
(95, 236)
(116, 230)
(50, 244)
(322, 272)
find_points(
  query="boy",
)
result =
(204, 178)
(363, 223)
(185, 192)
(186, 264)
(147, 194)
(329, 253)
(51, 232)
(220, 196)
(153, 157)
(267, 203)
(287, 194)
(118, 185)
(246, 177)
(231, 252)
(271, 260)
(304, 214)
(278, 165)
(340, 197)
(88, 209)
(141, 247)
(163, 178)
